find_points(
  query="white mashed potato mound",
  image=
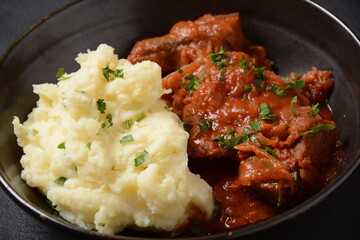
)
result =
(66, 137)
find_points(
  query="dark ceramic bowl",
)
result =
(297, 35)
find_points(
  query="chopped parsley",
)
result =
(229, 141)
(141, 117)
(192, 84)
(293, 100)
(51, 205)
(61, 145)
(118, 73)
(278, 91)
(314, 109)
(60, 74)
(127, 138)
(217, 208)
(180, 71)
(167, 108)
(110, 74)
(260, 77)
(141, 158)
(270, 151)
(322, 127)
(205, 125)
(101, 224)
(218, 57)
(265, 112)
(60, 180)
(34, 131)
(255, 125)
(247, 87)
(103, 124)
(222, 73)
(128, 124)
(187, 126)
(295, 83)
(294, 175)
(244, 64)
(88, 145)
(101, 105)
(109, 118)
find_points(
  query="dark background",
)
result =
(337, 217)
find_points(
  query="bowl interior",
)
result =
(296, 34)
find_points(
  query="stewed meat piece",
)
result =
(188, 40)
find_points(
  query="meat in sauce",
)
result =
(262, 141)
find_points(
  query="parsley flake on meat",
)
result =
(260, 77)
(205, 125)
(218, 57)
(265, 112)
(255, 125)
(192, 84)
(314, 109)
(293, 100)
(322, 127)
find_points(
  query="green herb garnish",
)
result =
(255, 125)
(294, 175)
(270, 151)
(60, 75)
(314, 109)
(141, 117)
(222, 72)
(88, 145)
(34, 131)
(295, 82)
(192, 84)
(141, 158)
(322, 127)
(247, 87)
(205, 125)
(218, 57)
(278, 91)
(109, 118)
(101, 105)
(180, 71)
(187, 126)
(101, 224)
(265, 112)
(229, 141)
(244, 64)
(167, 108)
(128, 124)
(110, 74)
(118, 73)
(60, 180)
(61, 145)
(51, 205)
(293, 100)
(128, 138)
(260, 77)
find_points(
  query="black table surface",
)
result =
(336, 217)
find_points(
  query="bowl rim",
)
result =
(231, 233)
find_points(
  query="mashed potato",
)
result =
(103, 148)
